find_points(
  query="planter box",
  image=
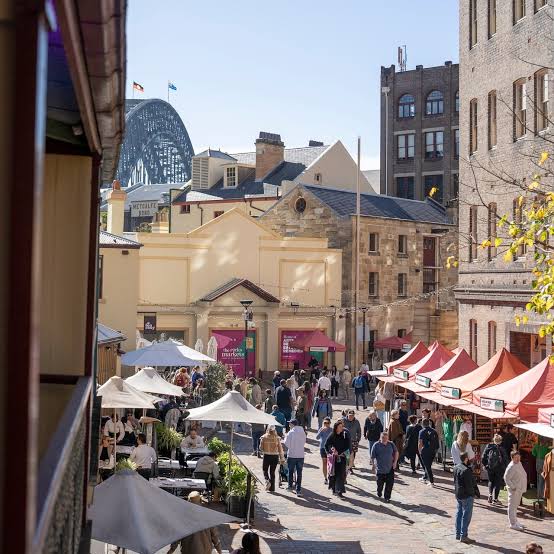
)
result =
(237, 507)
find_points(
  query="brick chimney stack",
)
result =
(270, 151)
(116, 209)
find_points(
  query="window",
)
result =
(491, 223)
(402, 244)
(185, 209)
(217, 213)
(406, 106)
(373, 284)
(519, 10)
(431, 182)
(317, 178)
(492, 18)
(520, 108)
(200, 168)
(402, 284)
(457, 101)
(539, 4)
(472, 233)
(473, 339)
(401, 333)
(518, 207)
(430, 270)
(405, 187)
(300, 205)
(473, 126)
(435, 103)
(434, 147)
(406, 146)
(372, 340)
(472, 23)
(541, 103)
(492, 119)
(231, 177)
(456, 143)
(492, 339)
(101, 276)
(373, 242)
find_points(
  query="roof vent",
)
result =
(315, 143)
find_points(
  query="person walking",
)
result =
(412, 441)
(322, 436)
(255, 392)
(280, 417)
(301, 405)
(322, 408)
(346, 379)
(359, 386)
(352, 425)
(403, 415)
(428, 445)
(308, 393)
(516, 483)
(324, 383)
(295, 440)
(461, 445)
(335, 378)
(465, 490)
(379, 402)
(337, 447)
(258, 429)
(540, 451)
(384, 458)
(272, 450)
(372, 429)
(250, 544)
(495, 461)
(509, 440)
(283, 399)
(396, 434)
(268, 402)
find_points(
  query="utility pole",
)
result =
(247, 315)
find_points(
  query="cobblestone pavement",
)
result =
(419, 519)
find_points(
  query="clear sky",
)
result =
(306, 69)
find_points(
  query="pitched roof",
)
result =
(209, 153)
(234, 283)
(107, 334)
(144, 193)
(343, 202)
(304, 155)
(107, 240)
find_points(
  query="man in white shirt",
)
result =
(295, 441)
(192, 441)
(324, 383)
(143, 455)
(516, 483)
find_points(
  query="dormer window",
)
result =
(231, 176)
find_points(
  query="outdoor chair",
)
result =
(208, 479)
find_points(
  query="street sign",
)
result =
(423, 381)
(492, 404)
(401, 374)
(319, 349)
(146, 208)
(451, 392)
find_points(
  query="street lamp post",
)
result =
(247, 315)
(364, 310)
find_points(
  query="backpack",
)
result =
(358, 383)
(494, 460)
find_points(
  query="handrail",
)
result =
(54, 463)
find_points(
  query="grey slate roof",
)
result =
(304, 155)
(343, 202)
(141, 193)
(107, 334)
(234, 283)
(107, 240)
(209, 153)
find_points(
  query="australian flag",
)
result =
(171, 86)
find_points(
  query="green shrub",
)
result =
(125, 463)
(218, 447)
(239, 476)
(214, 382)
(167, 437)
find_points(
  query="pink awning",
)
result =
(546, 415)
(410, 358)
(317, 339)
(438, 355)
(394, 342)
(459, 365)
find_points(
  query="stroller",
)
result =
(283, 473)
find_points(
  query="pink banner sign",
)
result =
(230, 350)
(290, 355)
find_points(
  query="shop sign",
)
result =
(319, 349)
(451, 392)
(146, 208)
(290, 355)
(401, 374)
(406, 347)
(492, 404)
(230, 350)
(552, 420)
(423, 381)
(150, 324)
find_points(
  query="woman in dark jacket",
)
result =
(338, 445)
(335, 379)
(411, 441)
(495, 460)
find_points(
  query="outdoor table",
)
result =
(204, 451)
(174, 469)
(179, 485)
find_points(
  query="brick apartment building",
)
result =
(419, 132)
(505, 48)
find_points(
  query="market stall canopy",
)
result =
(438, 355)
(317, 341)
(501, 367)
(546, 415)
(116, 393)
(165, 353)
(394, 342)
(523, 395)
(410, 358)
(231, 407)
(537, 428)
(131, 513)
(149, 380)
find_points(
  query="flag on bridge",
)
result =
(138, 87)
(171, 86)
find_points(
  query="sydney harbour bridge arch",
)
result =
(156, 147)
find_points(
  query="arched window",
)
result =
(435, 103)
(457, 101)
(406, 106)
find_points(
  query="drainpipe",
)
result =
(385, 91)
(201, 214)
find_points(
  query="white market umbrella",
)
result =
(199, 346)
(131, 513)
(149, 380)
(167, 353)
(211, 351)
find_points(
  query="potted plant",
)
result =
(218, 447)
(125, 463)
(236, 487)
(168, 439)
(214, 382)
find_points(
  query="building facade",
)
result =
(420, 132)
(506, 57)
(403, 249)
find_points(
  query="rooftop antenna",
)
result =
(402, 57)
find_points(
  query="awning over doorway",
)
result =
(394, 342)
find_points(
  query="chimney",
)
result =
(160, 223)
(270, 151)
(116, 209)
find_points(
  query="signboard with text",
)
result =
(451, 392)
(289, 355)
(423, 381)
(401, 374)
(150, 324)
(492, 404)
(146, 208)
(230, 350)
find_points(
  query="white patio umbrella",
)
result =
(211, 351)
(131, 513)
(199, 346)
(149, 380)
(167, 353)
